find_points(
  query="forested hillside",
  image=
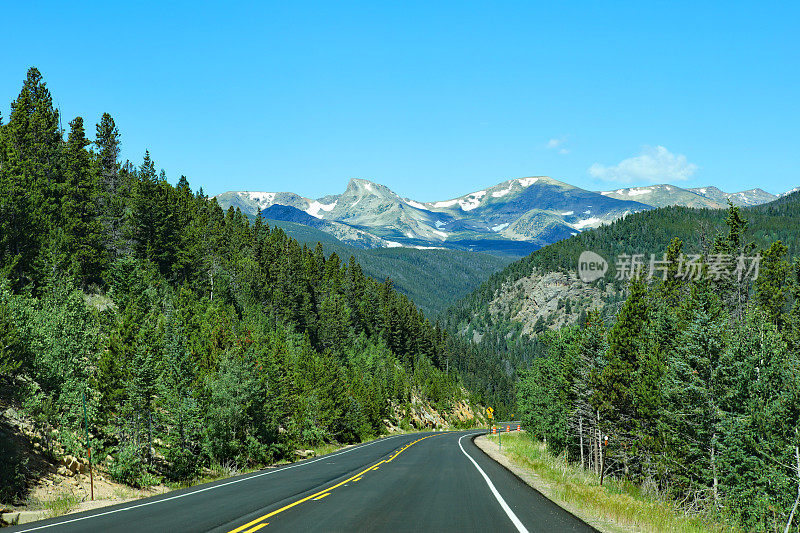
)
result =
(188, 335)
(433, 279)
(695, 385)
(498, 334)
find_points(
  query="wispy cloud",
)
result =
(557, 143)
(653, 164)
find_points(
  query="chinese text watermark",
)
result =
(592, 266)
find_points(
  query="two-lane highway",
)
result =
(418, 482)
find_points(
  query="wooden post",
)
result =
(91, 477)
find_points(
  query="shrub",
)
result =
(128, 467)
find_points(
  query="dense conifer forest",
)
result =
(433, 279)
(190, 335)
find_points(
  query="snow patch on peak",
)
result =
(315, 207)
(471, 201)
(412, 203)
(527, 182)
(639, 192)
(567, 213)
(500, 227)
(263, 199)
(446, 203)
(503, 192)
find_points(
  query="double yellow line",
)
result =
(258, 523)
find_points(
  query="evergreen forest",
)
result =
(173, 335)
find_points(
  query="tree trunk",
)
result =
(715, 482)
(600, 460)
(580, 431)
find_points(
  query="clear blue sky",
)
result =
(433, 101)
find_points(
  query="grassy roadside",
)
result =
(614, 506)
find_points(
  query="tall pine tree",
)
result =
(83, 247)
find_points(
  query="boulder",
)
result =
(21, 517)
(73, 464)
(304, 454)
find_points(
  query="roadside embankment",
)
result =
(615, 506)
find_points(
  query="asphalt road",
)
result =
(418, 482)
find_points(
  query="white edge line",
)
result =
(328, 456)
(517, 522)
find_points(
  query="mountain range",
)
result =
(711, 197)
(512, 218)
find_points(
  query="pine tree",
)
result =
(30, 179)
(623, 351)
(155, 230)
(772, 283)
(111, 197)
(13, 352)
(82, 230)
(694, 392)
(760, 435)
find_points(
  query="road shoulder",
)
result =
(532, 479)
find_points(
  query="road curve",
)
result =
(415, 482)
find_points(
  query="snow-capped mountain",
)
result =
(787, 193)
(742, 198)
(711, 197)
(514, 217)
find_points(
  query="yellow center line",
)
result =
(320, 493)
(259, 526)
(322, 496)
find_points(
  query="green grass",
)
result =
(622, 505)
(60, 505)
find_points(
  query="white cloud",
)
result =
(557, 143)
(654, 164)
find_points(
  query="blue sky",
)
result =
(432, 100)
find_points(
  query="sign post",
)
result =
(500, 438)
